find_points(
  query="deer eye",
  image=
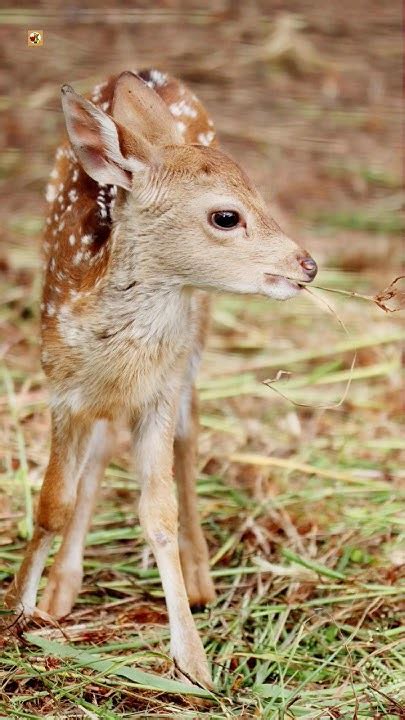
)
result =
(225, 219)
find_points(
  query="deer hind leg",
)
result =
(56, 502)
(66, 574)
(193, 547)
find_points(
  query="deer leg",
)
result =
(56, 502)
(66, 574)
(159, 520)
(193, 547)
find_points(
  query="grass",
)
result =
(369, 222)
(303, 513)
(373, 176)
(302, 507)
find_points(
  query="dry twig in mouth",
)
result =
(381, 299)
(391, 293)
(284, 374)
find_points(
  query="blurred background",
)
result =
(308, 98)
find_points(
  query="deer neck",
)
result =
(144, 307)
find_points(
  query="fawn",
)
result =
(146, 215)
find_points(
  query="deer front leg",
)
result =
(159, 520)
(193, 547)
(65, 576)
(56, 503)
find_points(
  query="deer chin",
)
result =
(279, 287)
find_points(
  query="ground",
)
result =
(302, 505)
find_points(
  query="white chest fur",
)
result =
(128, 348)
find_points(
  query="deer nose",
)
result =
(310, 266)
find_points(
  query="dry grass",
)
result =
(302, 507)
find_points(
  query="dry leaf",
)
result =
(393, 295)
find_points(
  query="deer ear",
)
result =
(100, 143)
(140, 109)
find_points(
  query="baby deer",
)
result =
(146, 215)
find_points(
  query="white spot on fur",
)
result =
(77, 258)
(158, 78)
(182, 108)
(206, 138)
(50, 194)
(72, 239)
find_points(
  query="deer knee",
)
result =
(158, 517)
(54, 511)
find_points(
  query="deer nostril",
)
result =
(309, 266)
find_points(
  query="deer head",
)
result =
(188, 214)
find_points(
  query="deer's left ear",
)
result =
(101, 144)
(140, 109)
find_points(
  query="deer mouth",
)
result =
(281, 287)
(294, 281)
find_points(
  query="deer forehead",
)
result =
(205, 168)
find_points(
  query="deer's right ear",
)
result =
(98, 142)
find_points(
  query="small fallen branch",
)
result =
(391, 293)
(284, 375)
(381, 299)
